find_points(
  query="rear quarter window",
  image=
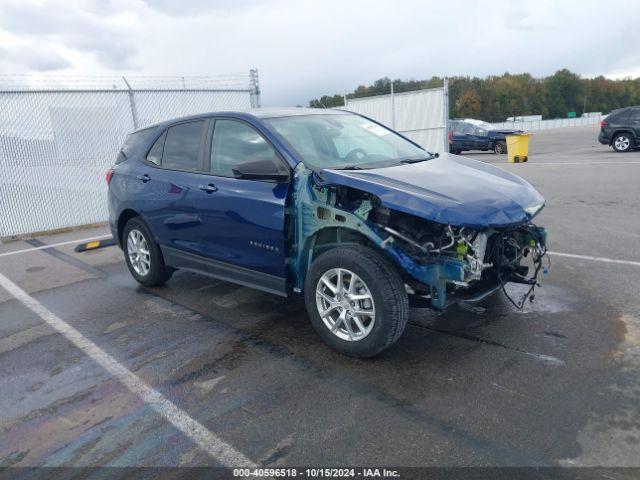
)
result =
(618, 116)
(155, 153)
(133, 143)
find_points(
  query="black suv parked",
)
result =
(469, 134)
(621, 129)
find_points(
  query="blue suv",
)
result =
(324, 203)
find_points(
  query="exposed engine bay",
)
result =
(493, 256)
(441, 264)
(496, 256)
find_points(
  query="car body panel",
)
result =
(450, 189)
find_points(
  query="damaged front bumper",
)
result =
(470, 280)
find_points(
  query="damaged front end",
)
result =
(459, 264)
(441, 264)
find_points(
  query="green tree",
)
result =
(468, 104)
(565, 93)
(495, 98)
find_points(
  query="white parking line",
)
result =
(53, 245)
(596, 259)
(207, 441)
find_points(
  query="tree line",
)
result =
(495, 98)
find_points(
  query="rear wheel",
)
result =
(500, 147)
(356, 301)
(142, 254)
(622, 143)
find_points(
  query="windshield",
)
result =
(344, 141)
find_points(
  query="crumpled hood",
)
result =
(450, 189)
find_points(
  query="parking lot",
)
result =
(97, 370)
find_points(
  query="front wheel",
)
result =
(622, 143)
(500, 147)
(356, 300)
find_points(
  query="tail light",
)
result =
(109, 175)
(603, 123)
(451, 136)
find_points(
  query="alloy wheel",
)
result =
(622, 143)
(138, 251)
(345, 304)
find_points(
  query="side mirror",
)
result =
(260, 170)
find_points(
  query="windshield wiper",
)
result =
(417, 160)
(351, 167)
(414, 160)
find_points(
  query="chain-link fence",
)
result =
(59, 135)
(527, 125)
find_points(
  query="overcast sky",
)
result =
(304, 49)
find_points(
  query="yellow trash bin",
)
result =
(518, 147)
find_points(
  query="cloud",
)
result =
(194, 7)
(81, 26)
(306, 48)
(38, 59)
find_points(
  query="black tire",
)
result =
(157, 273)
(385, 286)
(622, 143)
(500, 147)
(456, 152)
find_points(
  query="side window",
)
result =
(182, 146)
(618, 117)
(480, 132)
(467, 129)
(235, 143)
(155, 154)
(634, 115)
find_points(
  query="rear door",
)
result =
(174, 196)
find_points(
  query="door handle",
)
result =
(144, 178)
(210, 188)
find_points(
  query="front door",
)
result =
(247, 217)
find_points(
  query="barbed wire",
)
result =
(42, 82)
